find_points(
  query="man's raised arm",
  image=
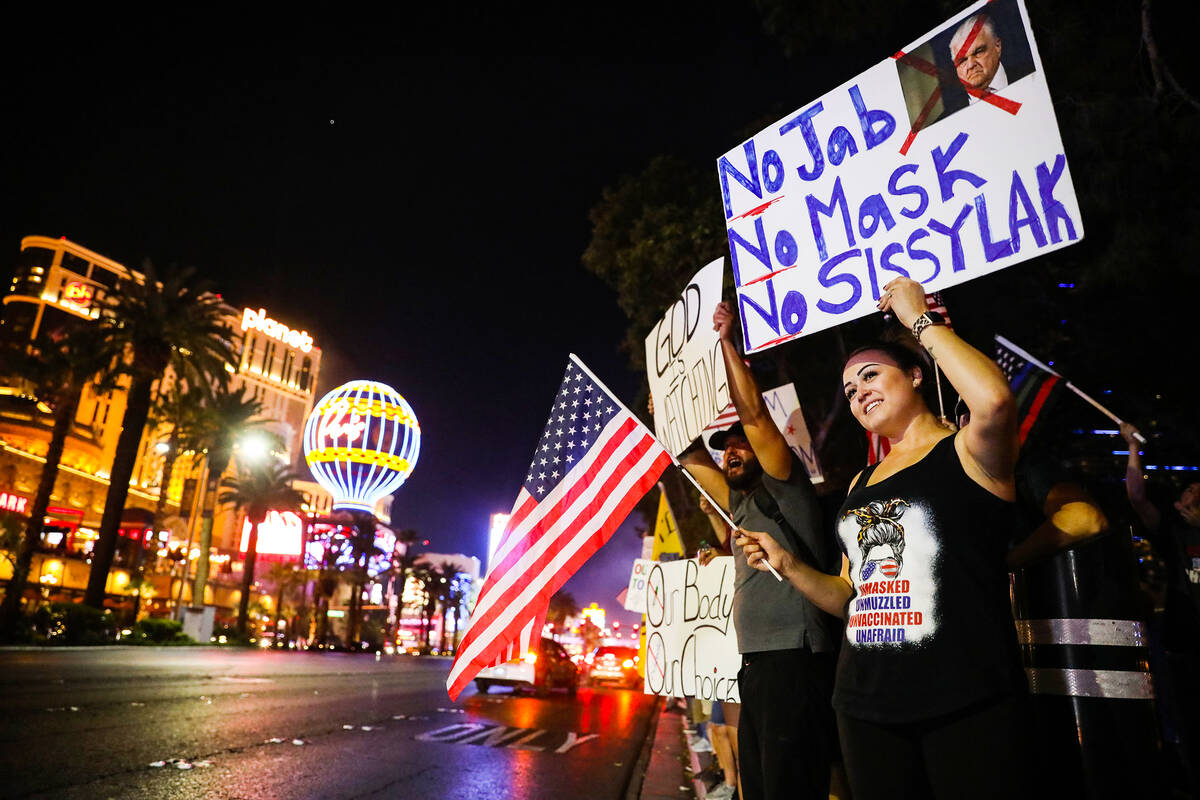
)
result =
(767, 442)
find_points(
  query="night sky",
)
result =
(413, 191)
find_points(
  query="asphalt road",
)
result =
(92, 723)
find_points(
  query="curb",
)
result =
(634, 790)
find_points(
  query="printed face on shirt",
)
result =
(893, 554)
(977, 67)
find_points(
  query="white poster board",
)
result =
(906, 169)
(684, 364)
(635, 594)
(784, 406)
(691, 647)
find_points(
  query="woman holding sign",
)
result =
(930, 691)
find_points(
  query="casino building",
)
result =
(63, 283)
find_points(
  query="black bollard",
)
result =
(1084, 644)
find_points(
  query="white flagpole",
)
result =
(1023, 354)
(720, 511)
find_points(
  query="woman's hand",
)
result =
(705, 554)
(760, 549)
(905, 298)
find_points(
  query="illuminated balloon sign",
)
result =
(361, 442)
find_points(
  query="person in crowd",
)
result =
(786, 731)
(723, 725)
(1174, 533)
(930, 695)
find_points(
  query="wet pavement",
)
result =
(214, 723)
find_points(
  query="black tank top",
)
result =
(929, 627)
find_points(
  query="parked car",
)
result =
(612, 664)
(550, 668)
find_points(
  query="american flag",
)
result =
(1034, 386)
(933, 302)
(593, 463)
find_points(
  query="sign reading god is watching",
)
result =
(259, 321)
(942, 163)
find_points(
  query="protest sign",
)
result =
(784, 407)
(691, 647)
(635, 594)
(666, 532)
(684, 363)
(914, 167)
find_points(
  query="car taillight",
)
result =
(531, 658)
(627, 663)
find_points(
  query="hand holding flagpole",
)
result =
(721, 512)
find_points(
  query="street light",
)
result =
(254, 448)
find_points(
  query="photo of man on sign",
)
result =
(970, 59)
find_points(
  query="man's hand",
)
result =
(760, 549)
(1190, 514)
(705, 554)
(723, 320)
(1128, 432)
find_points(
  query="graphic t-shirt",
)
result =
(929, 628)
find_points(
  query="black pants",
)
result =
(980, 752)
(786, 735)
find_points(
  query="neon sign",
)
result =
(78, 294)
(361, 443)
(259, 321)
(13, 502)
(279, 534)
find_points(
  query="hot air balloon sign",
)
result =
(361, 442)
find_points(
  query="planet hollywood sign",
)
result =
(259, 321)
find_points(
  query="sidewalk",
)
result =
(671, 766)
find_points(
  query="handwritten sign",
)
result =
(684, 363)
(691, 647)
(942, 163)
(635, 594)
(784, 407)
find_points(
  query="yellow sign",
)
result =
(666, 533)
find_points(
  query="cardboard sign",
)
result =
(691, 647)
(784, 407)
(684, 363)
(943, 163)
(635, 595)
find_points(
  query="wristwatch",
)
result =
(924, 321)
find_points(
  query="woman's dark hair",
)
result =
(906, 358)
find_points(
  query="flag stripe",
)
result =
(1035, 409)
(552, 572)
(499, 594)
(528, 531)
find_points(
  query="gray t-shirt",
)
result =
(770, 614)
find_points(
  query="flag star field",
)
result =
(581, 410)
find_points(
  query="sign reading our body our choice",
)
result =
(942, 163)
(684, 364)
(691, 646)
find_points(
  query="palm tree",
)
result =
(284, 577)
(181, 408)
(227, 418)
(61, 365)
(362, 548)
(451, 592)
(155, 320)
(258, 490)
